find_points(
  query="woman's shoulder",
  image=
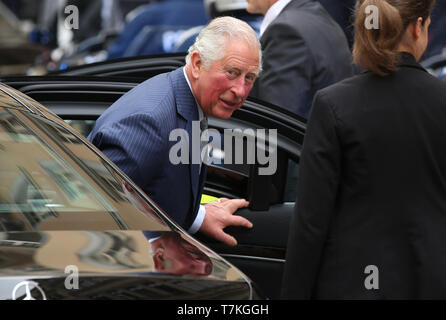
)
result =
(345, 86)
(369, 82)
(366, 93)
(346, 91)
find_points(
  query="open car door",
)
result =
(260, 253)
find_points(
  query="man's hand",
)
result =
(219, 215)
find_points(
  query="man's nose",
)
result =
(239, 87)
(203, 267)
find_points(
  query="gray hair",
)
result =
(211, 41)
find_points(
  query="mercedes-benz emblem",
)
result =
(29, 285)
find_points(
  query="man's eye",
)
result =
(250, 79)
(231, 73)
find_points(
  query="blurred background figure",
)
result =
(40, 25)
(304, 50)
(234, 8)
(95, 16)
(218, 8)
(100, 22)
(157, 26)
(437, 33)
(17, 53)
(341, 11)
(33, 39)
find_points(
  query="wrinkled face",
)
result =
(259, 6)
(185, 258)
(224, 87)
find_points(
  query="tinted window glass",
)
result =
(6, 100)
(291, 181)
(51, 180)
(83, 126)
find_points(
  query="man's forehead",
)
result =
(241, 47)
(247, 61)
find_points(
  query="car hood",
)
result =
(114, 265)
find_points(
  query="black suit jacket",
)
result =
(372, 190)
(304, 50)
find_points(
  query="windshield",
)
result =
(50, 180)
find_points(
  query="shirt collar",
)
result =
(272, 14)
(200, 112)
(154, 239)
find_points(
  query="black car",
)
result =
(436, 65)
(79, 95)
(73, 226)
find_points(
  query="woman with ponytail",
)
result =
(370, 219)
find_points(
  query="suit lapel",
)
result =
(193, 167)
(188, 112)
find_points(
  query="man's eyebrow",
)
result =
(228, 67)
(255, 73)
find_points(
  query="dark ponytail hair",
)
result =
(376, 49)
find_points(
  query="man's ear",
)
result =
(158, 259)
(196, 64)
(417, 28)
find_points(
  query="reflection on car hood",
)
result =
(114, 264)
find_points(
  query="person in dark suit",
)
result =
(437, 31)
(341, 12)
(304, 50)
(370, 217)
(141, 131)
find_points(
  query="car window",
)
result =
(292, 176)
(51, 180)
(8, 101)
(84, 126)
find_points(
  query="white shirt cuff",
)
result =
(196, 225)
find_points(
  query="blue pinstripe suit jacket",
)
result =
(134, 134)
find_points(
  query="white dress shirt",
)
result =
(272, 14)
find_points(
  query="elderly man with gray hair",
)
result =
(134, 132)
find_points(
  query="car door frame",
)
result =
(261, 251)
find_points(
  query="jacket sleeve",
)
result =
(287, 70)
(135, 144)
(319, 176)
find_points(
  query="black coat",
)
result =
(372, 190)
(304, 50)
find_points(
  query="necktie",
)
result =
(204, 148)
(204, 124)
